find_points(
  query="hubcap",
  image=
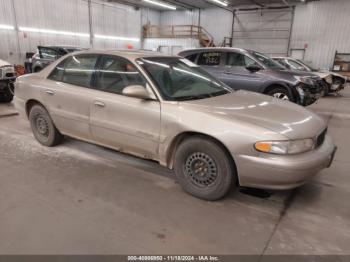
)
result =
(201, 169)
(42, 126)
(281, 96)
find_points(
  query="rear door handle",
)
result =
(99, 104)
(49, 92)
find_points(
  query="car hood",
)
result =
(4, 63)
(288, 75)
(283, 117)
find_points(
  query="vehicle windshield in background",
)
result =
(310, 68)
(180, 79)
(267, 61)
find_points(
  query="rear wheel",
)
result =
(43, 127)
(204, 169)
(280, 93)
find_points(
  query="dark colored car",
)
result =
(45, 55)
(253, 71)
(334, 82)
(7, 78)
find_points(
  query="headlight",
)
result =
(285, 147)
(305, 80)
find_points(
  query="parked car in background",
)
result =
(45, 55)
(170, 110)
(253, 71)
(7, 78)
(334, 82)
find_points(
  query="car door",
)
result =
(129, 124)
(211, 61)
(236, 74)
(68, 94)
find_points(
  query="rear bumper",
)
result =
(283, 172)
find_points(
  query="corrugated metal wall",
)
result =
(218, 22)
(65, 15)
(179, 17)
(264, 31)
(170, 46)
(325, 27)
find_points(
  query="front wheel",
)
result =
(43, 127)
(280, 93)
(204, 169)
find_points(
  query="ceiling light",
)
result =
(160, 4)
(220, 2)
(8, 27)
(118, 38)
(49, 31)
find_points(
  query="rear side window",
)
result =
(238, 59)
(117, 73)
(210, 58)
(57, 73)
(78, 70)
(192, 57)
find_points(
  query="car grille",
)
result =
(321, 137)
(318, 87)
(10, 75)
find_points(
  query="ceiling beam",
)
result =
(217, 5)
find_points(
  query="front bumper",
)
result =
(279, 172)
(309, 94)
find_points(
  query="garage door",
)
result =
(264, 31)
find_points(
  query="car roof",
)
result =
(215, 49)
(129, 54)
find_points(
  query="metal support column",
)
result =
(90, 25)
(17, 30)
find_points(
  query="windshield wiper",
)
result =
(184, 98)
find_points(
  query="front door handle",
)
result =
(99, 104)
(49, 92)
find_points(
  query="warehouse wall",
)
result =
(218, 22)
(324, 27)
(265, 31)
(65, 15)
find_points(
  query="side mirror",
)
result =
(253, 68)
(137, 91)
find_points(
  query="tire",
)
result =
(280, 93)
(199, 154)
(43, 127)
(8, 94)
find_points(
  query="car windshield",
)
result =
(267, 61)
(180, 79)
(310, 68)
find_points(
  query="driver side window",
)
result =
(238, 59)
(116, 73)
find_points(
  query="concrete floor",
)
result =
(79, 198)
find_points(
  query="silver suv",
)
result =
(253, 71)
(45, 55)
